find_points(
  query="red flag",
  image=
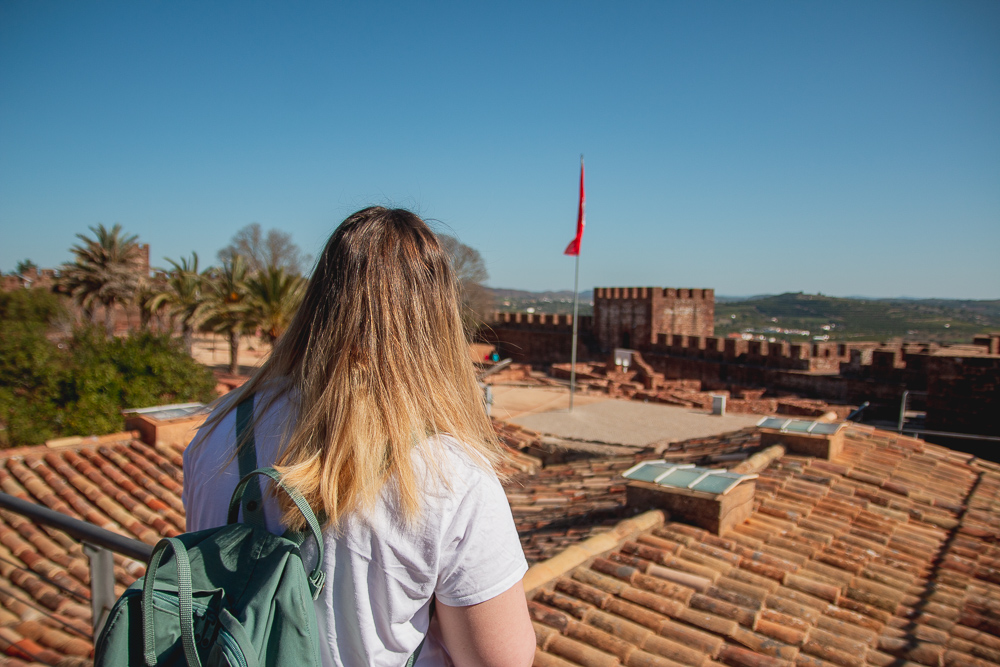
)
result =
(574, 246)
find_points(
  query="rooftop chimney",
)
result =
(166, 424)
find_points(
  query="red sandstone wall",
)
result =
(623, 316)
(684, 311)
(538, 338)
(963, 394)
(30, 278)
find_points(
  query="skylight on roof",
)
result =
(164, 412)
(686, 476)
(799, 426)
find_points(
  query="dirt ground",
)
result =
(609, 420)
(512, 402)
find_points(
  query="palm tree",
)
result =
(227, 306)
(184, 295)
(148, 309)
(107, 270)
(275, 295)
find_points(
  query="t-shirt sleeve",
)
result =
(481, 555)
(209, 476)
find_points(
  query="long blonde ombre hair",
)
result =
(374, 362)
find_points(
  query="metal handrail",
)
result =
(81, 530)
(98, 544)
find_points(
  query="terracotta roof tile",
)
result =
(886, 556)
(857, 566)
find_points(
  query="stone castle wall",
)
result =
(959, 386)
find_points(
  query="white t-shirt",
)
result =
(380, 571)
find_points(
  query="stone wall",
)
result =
(538, 338)
(963, 394)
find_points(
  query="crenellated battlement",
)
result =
(644, 293)
(817, 357)
(624, 292)
(540, 321)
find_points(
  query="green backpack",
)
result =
(234, 595)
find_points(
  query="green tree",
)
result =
(24, 266)
(31, 374)
(150, 311)
(81, 387)
(113, 374)
(106, 271)
(274, 296)
(184, 295)
(36, 305)
(227, 305)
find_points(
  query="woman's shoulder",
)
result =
(452, 474)
(457, 458)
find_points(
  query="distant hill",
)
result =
(944, 320)
(513, 301)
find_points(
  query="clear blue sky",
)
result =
(850, 148)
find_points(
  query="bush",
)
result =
(31, 371)
(31, 306)
(81, 387)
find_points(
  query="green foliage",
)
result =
(37, 306)
(30, 378)
(24, 266)
(227, 306)
(274, 298)
(81, 387)
(107, 270)
(182, 295)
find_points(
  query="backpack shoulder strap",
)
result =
(416, 654)
(246, 455)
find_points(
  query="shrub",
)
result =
(31, 306)
(82, 387)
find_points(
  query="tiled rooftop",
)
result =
(562, 504)
(886, 556)
(118, 484)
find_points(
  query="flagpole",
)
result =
(576, 294)
(576, 303)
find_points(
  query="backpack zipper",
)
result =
(230, 646)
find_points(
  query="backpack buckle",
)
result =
(317, 581)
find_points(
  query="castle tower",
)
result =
(633, 317)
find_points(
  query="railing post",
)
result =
(902, 411)
(102, 585)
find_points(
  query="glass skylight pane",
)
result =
(717, 483)
(648, 472)
(772, 422)
(170, 414)
(681, 478)
(799, 426)
(826, 429)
